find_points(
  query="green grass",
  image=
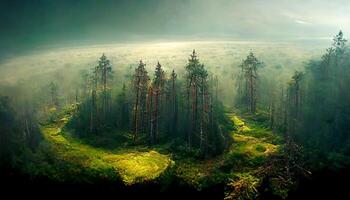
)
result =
(250, 150)
(131, 164)
(252, 146)
(66, 157)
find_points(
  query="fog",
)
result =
(226, 99)
(35, 70)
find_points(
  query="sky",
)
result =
(33, 24)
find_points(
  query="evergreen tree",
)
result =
(93, 104)
(53, 89)
(105, 69)
(157, 92)
(173, 102)
(140, 85)
(249, 67)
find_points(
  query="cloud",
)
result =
(302, 22)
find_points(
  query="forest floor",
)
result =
(67, 158)
(252, 144)
(132, 165)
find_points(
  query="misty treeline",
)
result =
(154, 109)
(19, 130)
(312, 108)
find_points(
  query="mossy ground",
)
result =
(82, 158)
(131, 164)
(252, 145)
(87, 163)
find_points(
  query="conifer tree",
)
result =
(249, 67)
(53, 89)
(140, 84)
(105, 69)
(173, 100)
(93, 105)
(158, 87)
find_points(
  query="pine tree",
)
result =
(339, 43)
(192, 93)
(53, 89)
(249, 67)
(158, 87)
(294, 101)
(297, 77)
(93, 105)
(140, 84)
(105, 69)
(196, 86)
(204, 109)
(173, 100)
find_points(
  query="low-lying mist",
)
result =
(33, 71)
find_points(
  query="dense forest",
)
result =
(155, 110)
(162, 130)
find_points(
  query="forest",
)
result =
(199, 119)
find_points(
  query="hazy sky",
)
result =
(36, 23)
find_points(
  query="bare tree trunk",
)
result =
(104, 92)
(272, 113)
(156, 116)
(76, 95)
(296, 99)
(27, 128)
(150, 114)
(136, 110)
(93, 112)
(189, 94)
(251, 90)
(174, 120)
(202, 118)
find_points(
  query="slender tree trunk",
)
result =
(194, 111)
(202, 118)
(189, 94)
(150, 113)
(76, 95)
(93, 112)
(251, 89)
(297, 99)
(104, 92)
(156, 116)
(272, 113)
(27, 128)
(136, 109)
(174, 120)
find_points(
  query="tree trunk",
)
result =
(296, 99)
(174, 120)
(136, 110)
(156, 116)
(251, 88)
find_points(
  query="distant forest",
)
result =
(184, 114)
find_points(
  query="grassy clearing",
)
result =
(200, 174)
(90, 157)
(252, 146)
(251, 139)
(131, 165)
